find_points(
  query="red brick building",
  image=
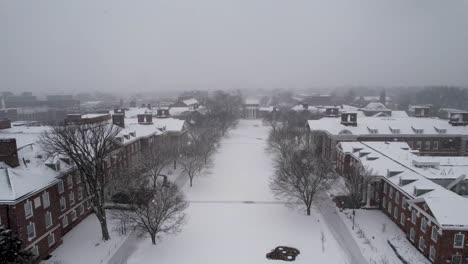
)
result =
(421, 194)
(42, 199)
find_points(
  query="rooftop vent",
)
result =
(403, 182)
(425, 164)
(418, 192)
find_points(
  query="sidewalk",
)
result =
(338, 229)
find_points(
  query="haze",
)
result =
(115, 45)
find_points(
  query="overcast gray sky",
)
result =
(130, 45)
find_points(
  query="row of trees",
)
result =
(153, 205)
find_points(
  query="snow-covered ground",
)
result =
(83, 244)
(372, 231)
(233, 217)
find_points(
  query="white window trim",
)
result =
(45, 202)
(48, 215)
(65, 221)
(29, 203)
(432, 253)
(53, 239)
(421, 238)
(412, 234)
(434, 231)
(60, 186)
(415, 218)
(462, 241)
(34, 228)
(65, 203)
(402, 219)
(423, 224)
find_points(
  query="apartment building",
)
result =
(43, 198)
(423, 195)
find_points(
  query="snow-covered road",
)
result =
(234, 218)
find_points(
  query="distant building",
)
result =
(428, 135)
(251, 108)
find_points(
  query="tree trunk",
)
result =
(101, 215)
(153, 239)
(308, 209)
(191, 179)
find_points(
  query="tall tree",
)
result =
(89, 147)
(356, 183)
(192, 161)
(154, 209)
(300, 175)
(11, 251)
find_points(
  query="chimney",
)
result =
(332, 111)
(349, 119)
(149, 118)
(118, 120)
(9, 152)
(459, 119)
(421, 111)
(305, 106)
(141, 118)
(5, 123)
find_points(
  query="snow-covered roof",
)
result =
(388, 126)
(191, 101)
(177, 111)
(394, 161)
(251, 101)
(170, 124)
(375, 106)
(32, 173)
(93, 115)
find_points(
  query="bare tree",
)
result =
(356, 183)
(301, 174)
(206, 139)
(89, 147)
(282, 139)
(154, 210)
(191, 161)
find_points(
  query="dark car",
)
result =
(283, 253)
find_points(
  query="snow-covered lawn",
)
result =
(83, 244)
(372, 231)
(228, 221)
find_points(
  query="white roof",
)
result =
(384, 157)
(177, 111)
(34, 175)
(405, 125)
(93, 115)
(252, 101)
(170, 124)
(191, 101)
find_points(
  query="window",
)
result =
(81, 209)
(60, 186)
(423, 224)
(31, 230)
(428, 145)
(395, 212)
(418, 145)
(389, 208)
(65, 221)
(45, 200)
(402, 219)
(411, 234)
(421, 243)
(413, 217)
(51, 239)
(28, 210)
(63, 203)
(456, 259)
(458, 240)
(434, 233)
(78, 178)
(432, 253)
(390, 192)
(71, 197)
(435, 145)
(384, 203)
(80, 193)
(70, 181)
(73, 215)
(37, 202)
(35, 250)
(403, 202)
(397, 197)
(48, 219)
(385, 187)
